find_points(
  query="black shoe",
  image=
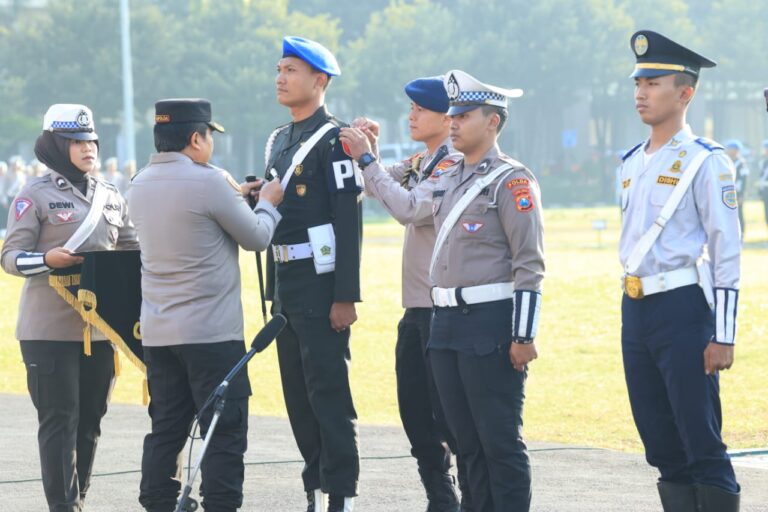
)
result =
(441, 491)
(677, 497)
(715, 499)
(338, 503)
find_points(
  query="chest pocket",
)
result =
(438, 196)
(660, 194)
(477, 208)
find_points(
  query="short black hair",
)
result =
(493, 109)
(684, 79)
(176, 136)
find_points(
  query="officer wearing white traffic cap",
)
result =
(680, 250)
(487, 267)
(51, 219)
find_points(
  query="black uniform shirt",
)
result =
(323, 189)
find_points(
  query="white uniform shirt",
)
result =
(705, 221)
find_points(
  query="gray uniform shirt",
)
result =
(45, 214)
(190, 218)
(499, 236)
(410, 203)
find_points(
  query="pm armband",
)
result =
(31, 264)
(726, 305)
(525, 317)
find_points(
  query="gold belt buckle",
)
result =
(634, 287)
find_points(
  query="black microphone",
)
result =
(270, 331)
(251, 200)
(441, 153)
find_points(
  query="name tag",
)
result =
(667, 180)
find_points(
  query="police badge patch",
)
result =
(21, 206)
(472, 227)
(729, 197)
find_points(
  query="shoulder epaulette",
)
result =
(39, 180)
(631, 151)
(708, 144)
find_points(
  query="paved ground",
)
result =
(566, 478)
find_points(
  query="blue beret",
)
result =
(313, 53)
(428, 93)
(734, 144)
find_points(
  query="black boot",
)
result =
(441, 491)
(715, 499)
(340, 503)
(677, 497)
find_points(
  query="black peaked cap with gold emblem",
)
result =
(658, 55)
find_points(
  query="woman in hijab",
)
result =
(51, 218)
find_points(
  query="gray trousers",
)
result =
(70, 392)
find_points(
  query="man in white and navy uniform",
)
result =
(678, 319)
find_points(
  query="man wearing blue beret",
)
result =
(314, 273)
(405, 190)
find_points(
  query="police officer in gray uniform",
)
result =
(487, 268)
(399, 187)
(52, 217)
(680, 250)
(192, 219)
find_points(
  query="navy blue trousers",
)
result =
(676, 406)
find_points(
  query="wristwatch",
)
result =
(365, 160)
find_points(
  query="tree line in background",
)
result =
(571, 57)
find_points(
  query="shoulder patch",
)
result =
(518, 182)
(631, 151)
(344, 174)
(523, 200)
(708, 144)
(20, 206)
(446, 163)
(235, 185)
(729, 197)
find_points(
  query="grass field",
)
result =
(576, 392)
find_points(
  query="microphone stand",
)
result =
(218, 398)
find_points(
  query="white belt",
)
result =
(449, 297)
(286, 253)
(639, 287)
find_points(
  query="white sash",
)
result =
(91, 220)
(649, 238)
(453, 216)
(304, 150)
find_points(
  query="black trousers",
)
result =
(420, 410)
(482, 396)
(181, 377)
(70, 392)
(314, 369)
(675, 405)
